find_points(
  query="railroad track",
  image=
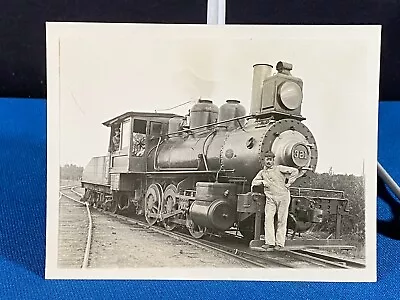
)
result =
(236, 253)
(85, 259)
(307, 258)
(332, 260)
(276, 259)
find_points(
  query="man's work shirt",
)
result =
(274, 180)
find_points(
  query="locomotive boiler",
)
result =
(196, 170)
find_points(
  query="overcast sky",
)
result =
(112, 70)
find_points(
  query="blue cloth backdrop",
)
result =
(23, 219)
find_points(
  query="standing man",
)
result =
(116, 139)
(276, 181)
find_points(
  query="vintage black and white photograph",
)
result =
(212, 152)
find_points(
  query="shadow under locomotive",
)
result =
(196, 171)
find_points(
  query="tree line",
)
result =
(71, 172)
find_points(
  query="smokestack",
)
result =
(260, 73)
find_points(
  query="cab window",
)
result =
(139, 138)
(155, 129)
(139, 126)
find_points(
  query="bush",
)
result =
(71, 172)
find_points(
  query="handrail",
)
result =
(299, 190)
(212, 124)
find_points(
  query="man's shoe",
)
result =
(279, 248)
(268, 247)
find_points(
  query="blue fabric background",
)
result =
(23, 43)
(23, 219)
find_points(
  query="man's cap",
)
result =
(270, 154)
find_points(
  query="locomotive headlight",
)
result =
(290, 95)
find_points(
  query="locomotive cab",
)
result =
(122, 170)
(131, 136)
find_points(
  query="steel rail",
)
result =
(333, 259)
(75, 192)
(89, 239)
(311, 258)
(330, 258)
(63, 187)
(90, 230)
(267, 261)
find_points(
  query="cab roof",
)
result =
(142, 115)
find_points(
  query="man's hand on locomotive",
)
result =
(302, 171)
(292, 177)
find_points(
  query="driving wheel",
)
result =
(169, 206)
(152, 204)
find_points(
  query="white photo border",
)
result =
(56, 32)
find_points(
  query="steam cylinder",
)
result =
(215, 205)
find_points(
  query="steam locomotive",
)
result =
(195, 171)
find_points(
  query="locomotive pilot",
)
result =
(276, 180)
